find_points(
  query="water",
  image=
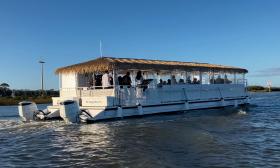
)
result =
(221, 138)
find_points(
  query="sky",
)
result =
(242, 33)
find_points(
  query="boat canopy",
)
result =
(110, 63)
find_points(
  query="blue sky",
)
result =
(244, 33)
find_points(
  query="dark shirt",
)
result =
(126, 80)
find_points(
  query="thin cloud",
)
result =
(267, 72)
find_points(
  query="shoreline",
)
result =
(8, 101)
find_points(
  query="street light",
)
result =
(42, 76)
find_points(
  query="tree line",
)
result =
(5, 91)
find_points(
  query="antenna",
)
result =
(100, 48)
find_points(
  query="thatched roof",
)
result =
(110, 63)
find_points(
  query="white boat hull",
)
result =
(118, 112)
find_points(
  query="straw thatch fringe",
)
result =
(109, 63)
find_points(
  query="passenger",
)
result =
(181, 81)
(120, 80)
(160, 84)
(139, 78)
(173, 80)
(93, 81)
(139, 89)
(168, 82)
(106, 80)
(219, 80)
(126, 79)
(111, 81)
(98, 81)
(164, 83)
(212, 81)
(227, 81)
(188, 81)
(195, 81)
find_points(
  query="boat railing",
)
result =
(127, 96)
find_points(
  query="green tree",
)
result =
(4, 90)
(4, 85)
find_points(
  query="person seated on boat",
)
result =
(160, 84)
(111, 81)
(126, 80)
(188, 81)
(106, 80)
(164, 83)
(227, 81)
(219, 80)
(98, 81)
(195, 81)
(181, 81)
(212, 81)
(168, 82)
(173, 80)
(92, 82)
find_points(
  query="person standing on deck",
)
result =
(173, 80)
(105, 80)
(127, 80)
(139, 88)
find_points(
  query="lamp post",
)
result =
(42, 76)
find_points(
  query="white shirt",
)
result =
(105, 80)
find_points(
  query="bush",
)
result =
(256, 88)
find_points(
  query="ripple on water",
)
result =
(203, 138)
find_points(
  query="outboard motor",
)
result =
(26, 110)
(69, 111)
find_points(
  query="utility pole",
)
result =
(42, 76)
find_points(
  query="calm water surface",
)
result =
(221, 138)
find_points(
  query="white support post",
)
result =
(213, 75)
(140, 110)
(200, 77)
(187, 105)
(243, 78)
(225, 77)
(235, 103)
(120, 112)
(60, 82)
(223, 102)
